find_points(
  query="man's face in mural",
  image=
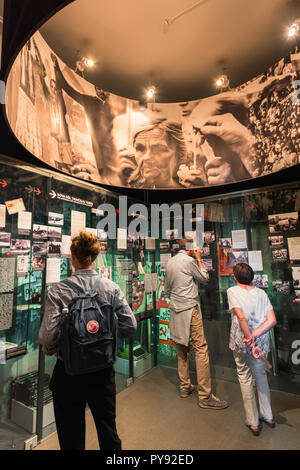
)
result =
(154, 156)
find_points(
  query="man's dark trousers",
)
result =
(70, 396)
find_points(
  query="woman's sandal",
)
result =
(271, 424)
(255, 432)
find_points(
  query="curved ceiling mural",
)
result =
(78, 128)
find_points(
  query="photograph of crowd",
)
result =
(280, 255)
(281, 287)
(261, 281)
(83, 130)
(283, 222)
(54, 248)
(276, 241)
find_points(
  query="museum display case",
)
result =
(39, 213)
(259, 227)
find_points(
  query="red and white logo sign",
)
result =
(92, 326)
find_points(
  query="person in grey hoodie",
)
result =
(183, 272)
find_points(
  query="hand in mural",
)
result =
(218, 171)
(86, 172)
(126, 162)
(237, 142)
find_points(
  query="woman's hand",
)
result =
(257, 352)
(250, 341)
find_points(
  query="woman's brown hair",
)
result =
(85, 247)
(243, 273)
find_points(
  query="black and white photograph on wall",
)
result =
(40, 231)
(225, 242)
(283, 222)
(55, 219)
(297, 295)
(38, 263)
(101, 234)
(83, 130)
(281, 287)
(22, 265)
(54, 232)
(4, 239)
(261, 281)
(171, 234)
(205, 250)
(105, 273)
(39, 248)
(276, 241)
(208, 263)
(164, 246)
(296, 277)
(209, 237)
(103, 247)
(235, 257)
(54, 248)
(280, 255)
(19, 246)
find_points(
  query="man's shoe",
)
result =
(213, 403)
(186, 393)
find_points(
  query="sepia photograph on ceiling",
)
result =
(83, 129)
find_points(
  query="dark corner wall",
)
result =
(21, 19)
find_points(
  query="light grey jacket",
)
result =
(59, 297)
(181, 281)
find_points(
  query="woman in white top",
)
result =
(251, 319)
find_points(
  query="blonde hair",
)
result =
(85, 247)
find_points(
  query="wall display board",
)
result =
(54, 113)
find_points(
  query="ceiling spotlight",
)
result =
(222, 82)
(294, 29)
(151, 93)
(82, 64)
(89, 62)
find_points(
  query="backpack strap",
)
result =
(96, 284)
(73, 286)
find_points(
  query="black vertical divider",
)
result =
(41, 363)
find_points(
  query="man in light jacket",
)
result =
(182, 275)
